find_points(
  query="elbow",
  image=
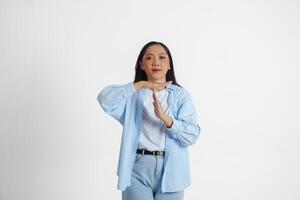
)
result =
(185, 133)
(101, 101)
(197, 134)
(192, 137)
(187, 139)
(100, 97)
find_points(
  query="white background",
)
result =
(239, 60)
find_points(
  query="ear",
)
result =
(141, 65)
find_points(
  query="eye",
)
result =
(162, 57)
(148, 58)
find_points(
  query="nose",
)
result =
(155, 63)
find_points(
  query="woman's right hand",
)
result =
(151, 85)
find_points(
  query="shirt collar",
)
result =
(170, 87)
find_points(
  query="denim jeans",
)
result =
(146, 180)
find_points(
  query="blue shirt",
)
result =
(125, 104)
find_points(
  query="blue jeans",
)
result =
(146, 180)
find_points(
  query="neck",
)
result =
(157, 80)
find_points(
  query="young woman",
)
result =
(159, 123)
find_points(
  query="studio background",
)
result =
(239, 60)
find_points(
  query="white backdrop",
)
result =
(239, 60)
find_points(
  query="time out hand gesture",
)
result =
(158, 110)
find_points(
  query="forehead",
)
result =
(155, 49)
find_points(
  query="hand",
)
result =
(151, 85)
(156, 86)
(158, 110)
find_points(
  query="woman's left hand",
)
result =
(158, 110)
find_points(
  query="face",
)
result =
(155, 63)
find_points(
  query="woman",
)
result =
(159, 123)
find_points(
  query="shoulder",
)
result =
(182, 95)
(181, 92)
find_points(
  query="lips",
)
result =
(156, 70)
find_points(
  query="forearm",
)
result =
(138, 85)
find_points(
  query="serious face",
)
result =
(155, 63)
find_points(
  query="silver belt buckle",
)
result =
(143, 152)
(154, 153)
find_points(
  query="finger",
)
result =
(155, 85)
(153, 91)
(154, 95)
(154, 104)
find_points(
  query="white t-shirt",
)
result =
(153, 129)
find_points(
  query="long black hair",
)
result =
(140, 75)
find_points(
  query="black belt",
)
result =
(155, 153)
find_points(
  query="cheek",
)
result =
(147, 62)
(165, 63)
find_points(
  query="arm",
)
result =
(184, 128)
(113, 99)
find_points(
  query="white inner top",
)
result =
(153, 129)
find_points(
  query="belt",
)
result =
(154, 153)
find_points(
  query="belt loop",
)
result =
(143, 151)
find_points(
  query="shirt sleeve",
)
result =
(185, 128)
(113, 99)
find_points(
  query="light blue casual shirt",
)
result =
(125, 104)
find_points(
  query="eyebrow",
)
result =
(153, 54)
